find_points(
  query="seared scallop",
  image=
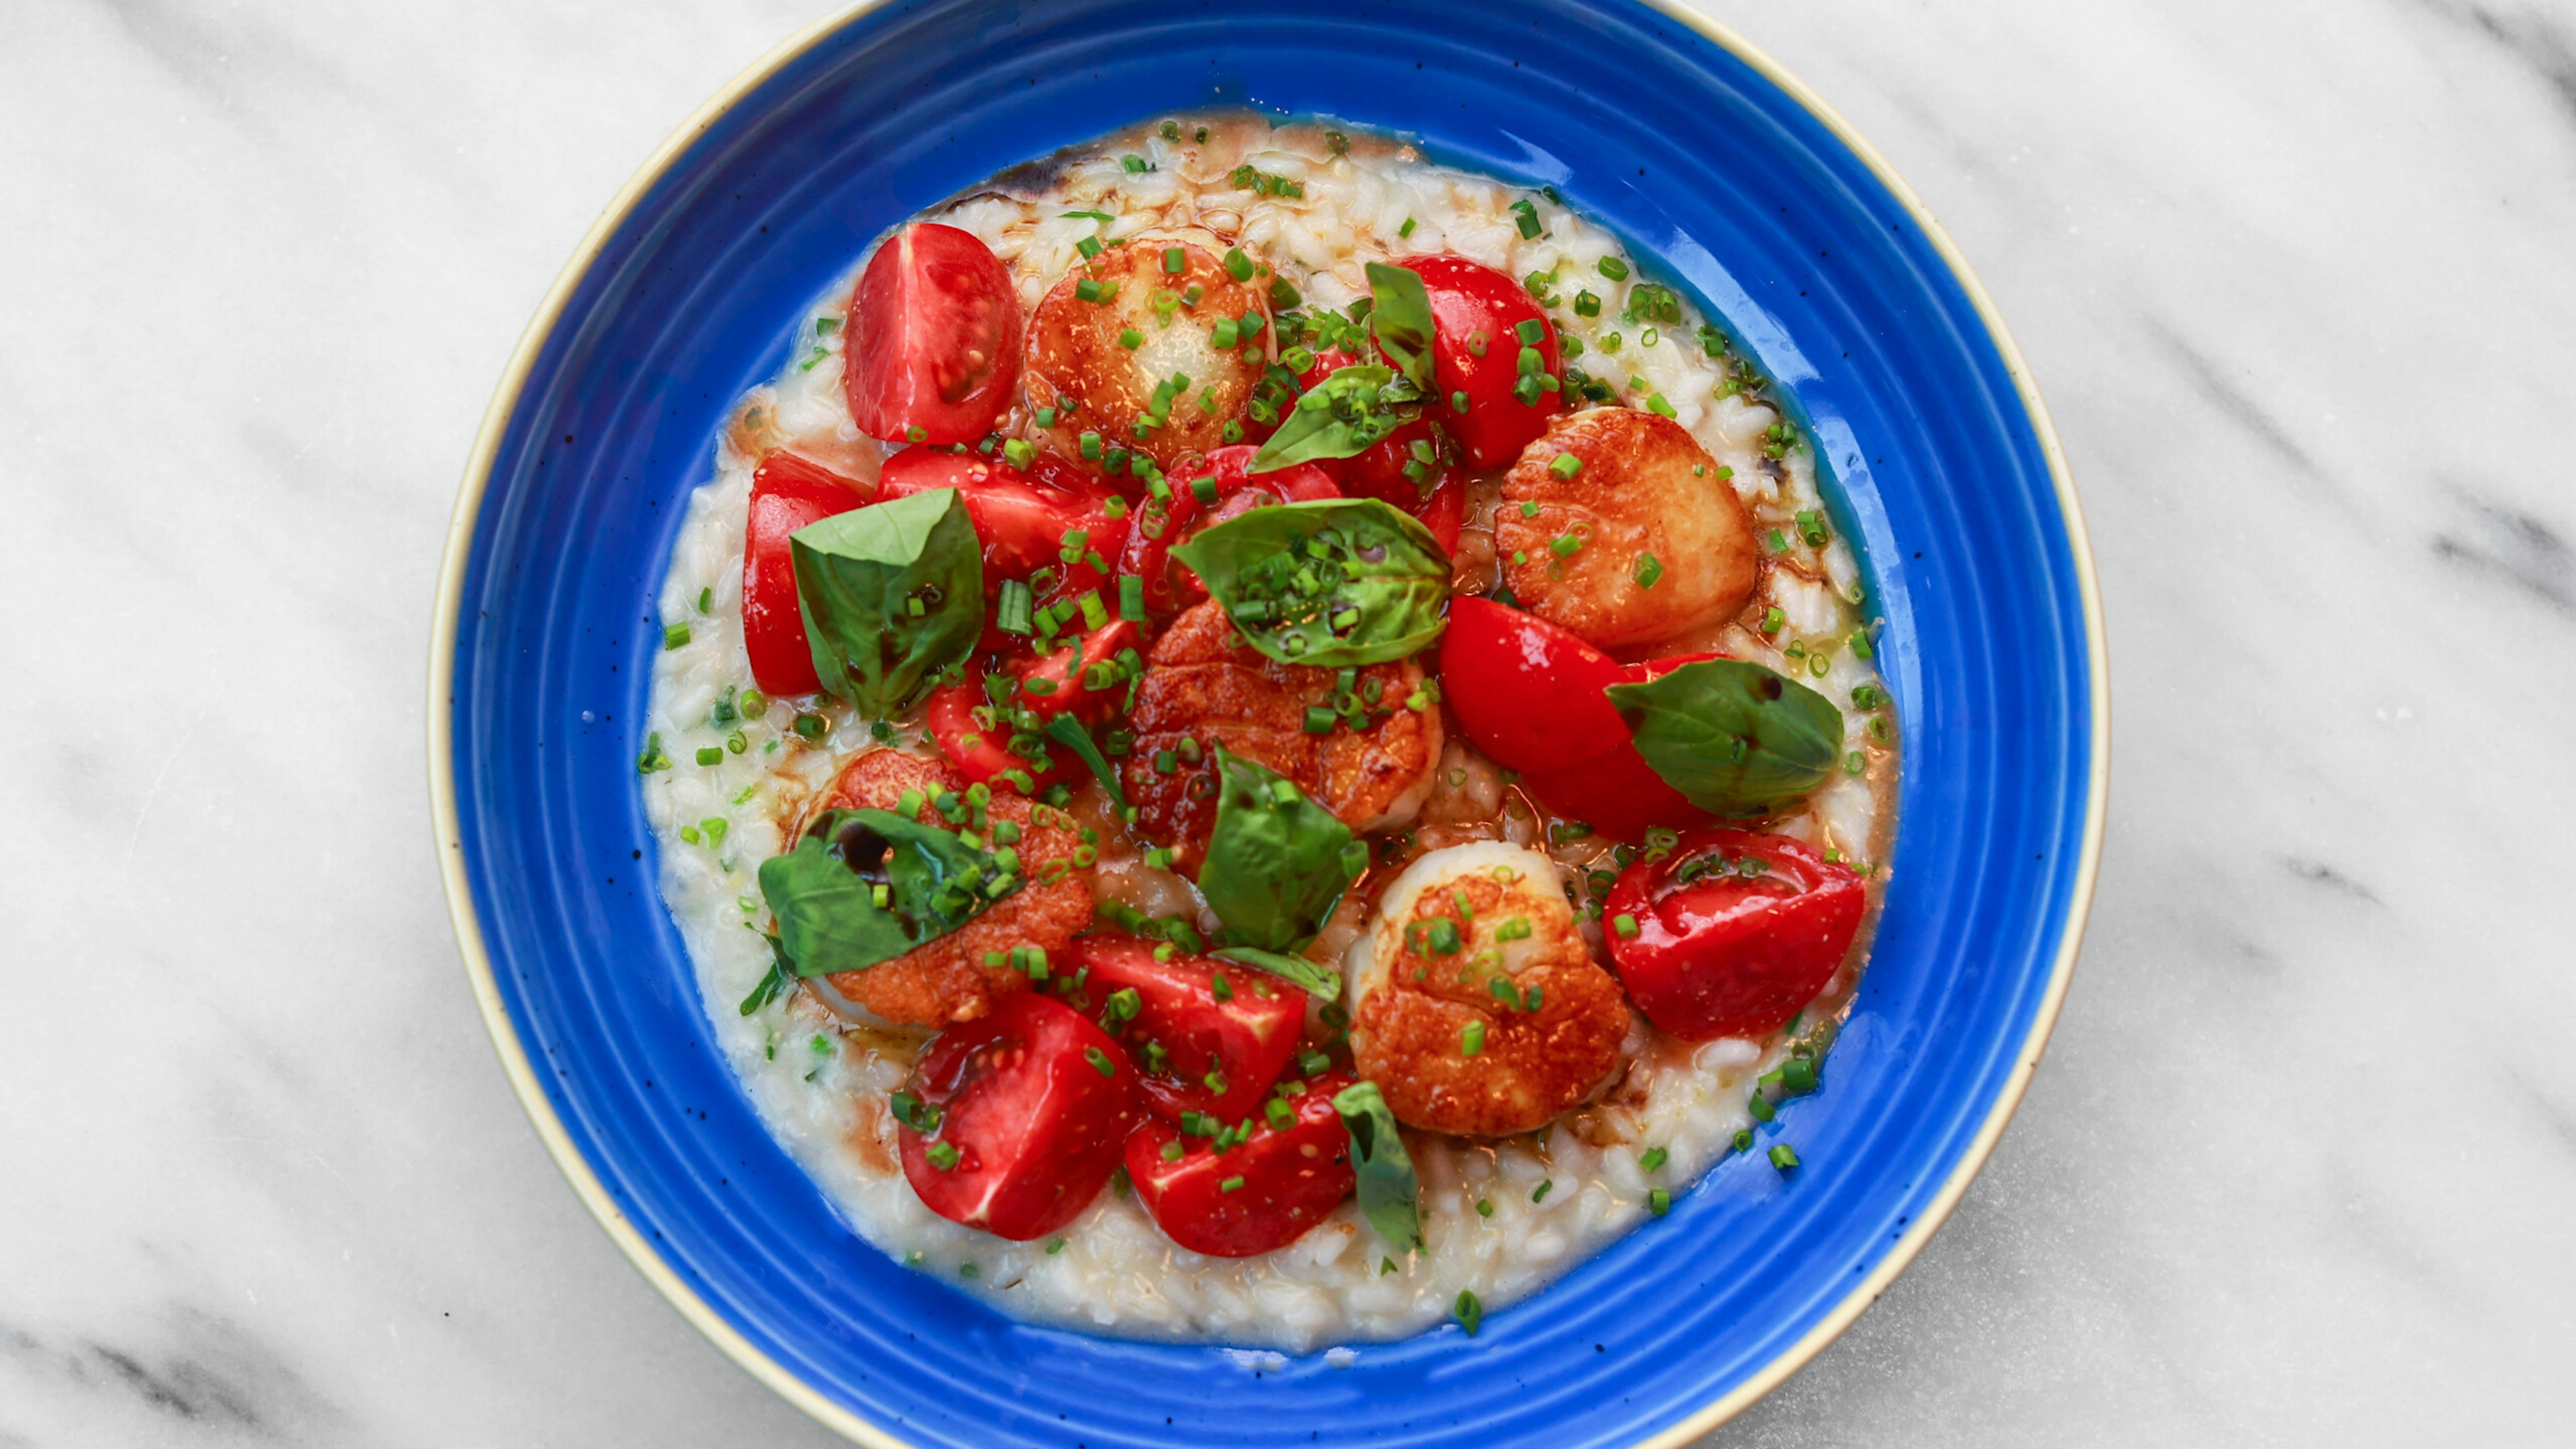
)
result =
(1205, 687)
(945, 980)
(1125, 332)
(1637, 540)
(1476, 1005)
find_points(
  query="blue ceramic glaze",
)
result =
(1711, 170)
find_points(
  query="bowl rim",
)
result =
(696, 1310)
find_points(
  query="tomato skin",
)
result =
(787, 493)
(1248, 1039)
(949, 716)
(1292, 1179)
(1171, 587)
(1530, 695)
(1036, 1126)
(1728, 956)
(1021, 517)
(1468, 298)
(1379, 472)
(933, 349)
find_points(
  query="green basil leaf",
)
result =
(1320, 982)
(1067, 731)
(1390, 1195)
(782, 974)
(1733, 737)
(1329, 582)
(1341, 417)
(1275, 866)
(1401, 318)
(824, 891)
(858, 577)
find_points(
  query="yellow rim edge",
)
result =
(586, 1183)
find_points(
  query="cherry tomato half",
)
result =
(787, 493)
(1438, 497)
(967, 729)
(1025, 519)
(1262, 1193)
(933, 338)
(1736, 932)
(1170, 587)
(1530, 695)
(1020, 1120)
(1476, 349)
(1198, 1052)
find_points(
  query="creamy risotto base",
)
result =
(818, 1073)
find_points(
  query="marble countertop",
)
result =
(2296, 278)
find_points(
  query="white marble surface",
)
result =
(2297, 279)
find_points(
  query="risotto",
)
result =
(1262, 741)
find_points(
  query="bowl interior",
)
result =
(1732, 187)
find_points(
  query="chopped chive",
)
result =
(675, 635)
(1586, 305)
(1406, 229)
(1176, 260)
(1130, 338)
(1472, 1039)
(1089, 247)
(1566, 465)
(1656, 404)
(1131, 598)
(1237, 265)
(1649, 569)
(1019, 453)
(1659, 1202)
(1100, 1061)
(711, 755)
(1564, 545)
(1231, 1184)
(1652, 1158)
(942, 1155)
(1860, 645)
(1223, 334)
(1783, 1156)
(1132, 165)
(1624, 926)
(1319, 720)
(1469, 1311)
(1613, 268)
(1539, 1193)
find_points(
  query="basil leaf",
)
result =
(860, 576)
(1330, 582)
(1277, 863)
(1390, 1195)
(1401, 319)
(1735, 738)
(1067, 731)
(1317, 981)
(1341, 417)
(824, 891)
(782, 975)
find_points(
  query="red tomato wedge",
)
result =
(1476, 349)
(1020, 1118)
(1262, 1193)
(1170, 587)
(1735, 932)
(933, 350)
(1198, 1051)
(787, 493)
(1027, 520)
(1379, 472)
(1530, 695)
(964, 726)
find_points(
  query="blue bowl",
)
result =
(1705, 156)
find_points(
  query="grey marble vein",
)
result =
(2296, 276)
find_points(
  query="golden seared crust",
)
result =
(1409, 1033)
(1204, 682)
(946, 980)
(1636, 494)
(1074, 351)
